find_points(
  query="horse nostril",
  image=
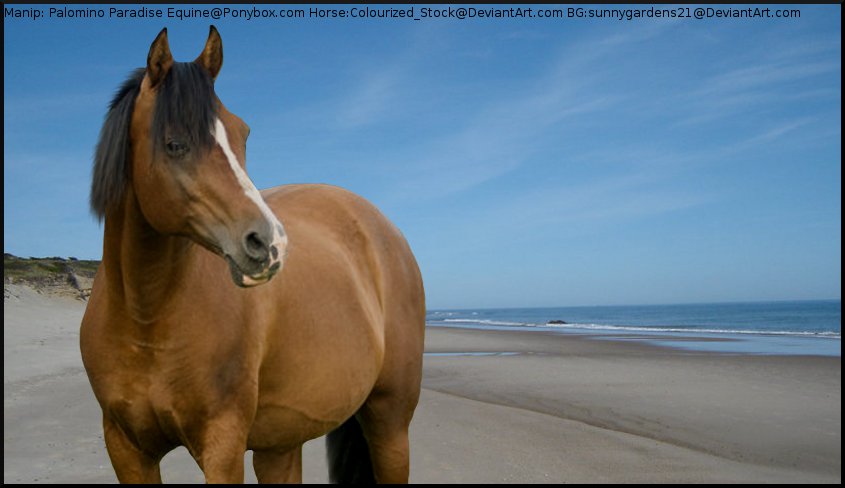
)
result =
(256, 248)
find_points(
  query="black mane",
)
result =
(110, 170)
(186, 107)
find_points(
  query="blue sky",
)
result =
(528, 162)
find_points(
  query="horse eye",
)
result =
(176, 149)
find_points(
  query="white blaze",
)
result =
(280, 240)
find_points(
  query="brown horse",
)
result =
(180, 344)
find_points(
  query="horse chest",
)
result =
(145, 419)
(164, 402)
(162, 412)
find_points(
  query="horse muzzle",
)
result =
(258, 256)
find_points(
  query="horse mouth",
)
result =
(248, 280)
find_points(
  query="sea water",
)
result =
(785, 327)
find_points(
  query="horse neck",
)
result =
(143, 267)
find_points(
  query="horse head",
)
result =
(172, 144)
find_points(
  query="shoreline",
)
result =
(751, 343)
(555, 408)
(757, 409)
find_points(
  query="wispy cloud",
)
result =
(371, 99)
(771, 83)
(774, 133)
(600, 203)
(502, 134)
(495, 141)
(763, 75)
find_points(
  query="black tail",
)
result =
(349, 455)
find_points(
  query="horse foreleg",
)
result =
(131, 465)
(221, 452)
(278, 466)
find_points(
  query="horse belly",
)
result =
(282, 427)
(310, 402)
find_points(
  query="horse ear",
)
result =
(211, 57)
(159, 60)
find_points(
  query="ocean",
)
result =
(784, 327)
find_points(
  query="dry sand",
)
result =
(564, 409)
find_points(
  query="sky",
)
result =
(528, 162)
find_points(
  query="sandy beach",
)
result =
(552, 409)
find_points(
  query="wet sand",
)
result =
(562, 409)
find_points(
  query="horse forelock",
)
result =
(185, 108)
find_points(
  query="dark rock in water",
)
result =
(555, 322)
